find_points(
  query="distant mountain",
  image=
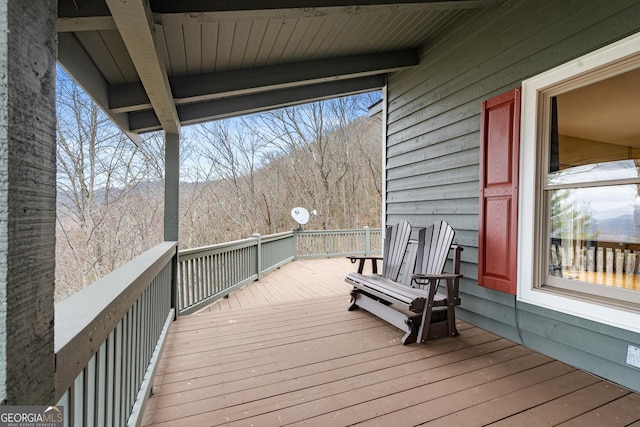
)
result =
(65, 195)
(622, 228)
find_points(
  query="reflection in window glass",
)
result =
(595, 235)
(596, 172)
(593, 184)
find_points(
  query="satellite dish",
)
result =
(300, 215)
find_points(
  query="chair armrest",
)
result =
(452, 297)
(435, 276)
(354, 258)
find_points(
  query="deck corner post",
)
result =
(295, 243)
(367, 240)
(258, 238)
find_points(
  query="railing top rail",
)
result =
(235, 243)
(354, 230)
(85, 320)
(276, 236)
(219, 246)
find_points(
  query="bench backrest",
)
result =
(434, 243)
(395, 247)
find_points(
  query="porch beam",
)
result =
(170, 12)
(132, 97)
(145, 121)
(135, 24)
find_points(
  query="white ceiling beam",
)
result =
(134, 21)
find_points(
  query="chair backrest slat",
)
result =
(433, 248)
(395, 247)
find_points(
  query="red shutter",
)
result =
(499, 157)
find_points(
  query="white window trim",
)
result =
(626, 55)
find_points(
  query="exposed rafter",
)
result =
(133, 19)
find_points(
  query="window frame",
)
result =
(537, 91)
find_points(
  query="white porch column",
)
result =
(171, 186)
(27, 200)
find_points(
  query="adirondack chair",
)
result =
(409, 304)
(394, 249)
(439, 316)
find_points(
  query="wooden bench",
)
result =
(414, 304)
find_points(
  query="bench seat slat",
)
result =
(393, 287)
(404, 296)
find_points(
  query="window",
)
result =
(580, 222)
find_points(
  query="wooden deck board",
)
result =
(275, 354)
(299, 280)
(571, 406)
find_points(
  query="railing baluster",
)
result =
(65, 403)
(117, 380)
(134, 341)
(77, 398)
(101, 386)
(111, 375)
(90, 390)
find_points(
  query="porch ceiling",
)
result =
(160, 64)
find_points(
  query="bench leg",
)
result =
(411, 335)
(451, 308)
(352, 304)
(425, 322)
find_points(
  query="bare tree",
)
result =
(322, 151)
(101, 220)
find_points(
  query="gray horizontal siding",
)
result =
(432, 152)
(592, 346)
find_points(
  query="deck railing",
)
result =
(314, 244)
(212, 272)
(108, 338)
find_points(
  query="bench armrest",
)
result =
(435, 276)
(354, 258)
(451, 279)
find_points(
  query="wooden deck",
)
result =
(286, 351)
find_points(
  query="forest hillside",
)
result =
(238, 177)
